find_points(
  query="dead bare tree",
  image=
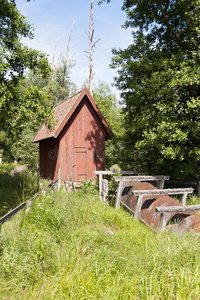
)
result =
(91, 47)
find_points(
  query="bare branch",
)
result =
(95, 43)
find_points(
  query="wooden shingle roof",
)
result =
(63, 112)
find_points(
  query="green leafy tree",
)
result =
(56, 86)
(159, 77)
(15, 58)
(108, 105)
(111, 110)
(60, 85)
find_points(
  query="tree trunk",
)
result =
(91, 49)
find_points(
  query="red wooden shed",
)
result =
(76, 144)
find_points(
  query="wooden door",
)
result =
(80, 164)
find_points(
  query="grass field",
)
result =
(72, 246)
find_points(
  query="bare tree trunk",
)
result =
(91, 33)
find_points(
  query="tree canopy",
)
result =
(15, 58)
(159, 77)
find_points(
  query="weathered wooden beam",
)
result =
(141, 178)
(121, 179)
(163, 192)
(138, 206)
(160, 184)
(105, 189)
(163, 221)
(100, 185)
(131, 211)
(177, 209)
(119, 192)
(116, 172)
(142, 193)
(183, 198)
(165, 210)
(102, 173)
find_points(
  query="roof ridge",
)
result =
(67, 99)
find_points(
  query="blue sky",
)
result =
(53, 20)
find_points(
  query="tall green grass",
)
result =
(71, 246)
(15, 189)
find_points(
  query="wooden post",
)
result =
(163, 221)
(183, 199)
(100, 185)
(138, 206)
(105, 189)
(58, 179)
(119, 192)
(160, 184)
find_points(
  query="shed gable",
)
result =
(64, 111)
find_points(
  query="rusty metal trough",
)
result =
(148, 213)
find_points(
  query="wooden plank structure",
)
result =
(141, 194)
(160, 179)
(76, 144)
(155, 207)
(101, 175)
(164, 211)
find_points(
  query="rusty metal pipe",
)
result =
(180, 222)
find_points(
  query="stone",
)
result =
(115, 168)
(19, 169)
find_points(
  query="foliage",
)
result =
(6, 168)
(111, 110)
(159, 77)
(58, 84)
(108, 105)
(24, 150)
(113, 185)
(96, 252)
(28, 86)
(5, 145)
(18, 104)
(89, 187)
(14, 189)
